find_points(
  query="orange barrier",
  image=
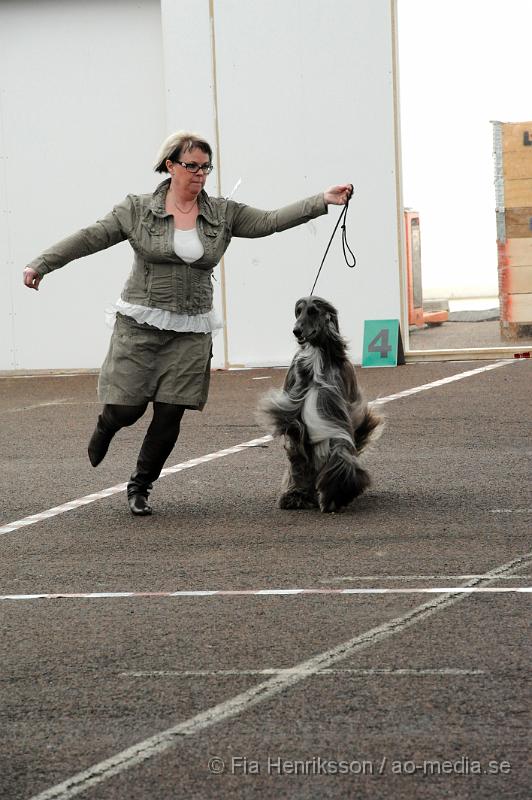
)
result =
(416, 314)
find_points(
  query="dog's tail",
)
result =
(278, 412)
(368, 424)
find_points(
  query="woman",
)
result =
(160, 349)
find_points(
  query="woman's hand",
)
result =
(32, 279)
(338, 195)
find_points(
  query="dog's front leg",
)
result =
(342, 477)
(299, 487)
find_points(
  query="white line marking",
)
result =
(160, 742)
(37, 405)
(419, 578)
(268, 592)
(53, 512)
(91, 498)
(263, 378)
(223, 673)
(442, 382)
(81, 373)
(511, 511)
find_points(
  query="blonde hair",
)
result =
(178, 143)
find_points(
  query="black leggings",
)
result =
(158, 443)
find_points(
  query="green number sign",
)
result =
(382, 343)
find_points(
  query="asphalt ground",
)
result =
(458, 335)
(388, 695)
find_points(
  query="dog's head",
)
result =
(316, 320)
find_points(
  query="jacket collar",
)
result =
(208, 206)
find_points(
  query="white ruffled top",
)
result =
(188, 247)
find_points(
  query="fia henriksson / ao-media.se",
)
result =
(277, 765)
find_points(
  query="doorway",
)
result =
(463, 67)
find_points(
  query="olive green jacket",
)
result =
(159, 278)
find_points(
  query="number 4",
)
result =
(380, 343)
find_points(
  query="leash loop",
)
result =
(345, 246)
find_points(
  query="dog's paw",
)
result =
(294, 501)
(328, 508)
(337, 497)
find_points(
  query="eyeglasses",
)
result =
(191, 166)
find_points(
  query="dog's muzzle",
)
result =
(301, 337)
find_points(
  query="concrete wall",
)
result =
(293, 97)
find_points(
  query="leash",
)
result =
(345, 247)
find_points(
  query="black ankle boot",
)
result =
(158, 443)
(138, 491)
(99, 442)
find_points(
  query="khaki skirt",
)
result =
(144, 364)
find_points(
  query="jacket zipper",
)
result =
(188, 287)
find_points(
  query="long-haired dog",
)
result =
(323, 417)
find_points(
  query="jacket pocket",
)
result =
(161, 284)
(153, 228)
(201, 290)
(213, 229)
(215, 239)
(150, 235)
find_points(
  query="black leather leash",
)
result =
(345, 247)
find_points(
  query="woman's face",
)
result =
(189, 183)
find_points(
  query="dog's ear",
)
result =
(299, 306)
(331, 320)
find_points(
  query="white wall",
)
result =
(82, 115)
(190, 97)
(305, 99)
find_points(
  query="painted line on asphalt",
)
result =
(121, 487)
(62, 509)
(510, 511)
(45, 374)
(441, 382)
(267, 593)
(377, 578)
(194, 462)
(223, 673)
(275, 685)
(63, 402)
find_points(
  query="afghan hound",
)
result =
(323, 417)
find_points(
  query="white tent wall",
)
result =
(191, 98)
(305, 98)
(82, 115)
(294, 96)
